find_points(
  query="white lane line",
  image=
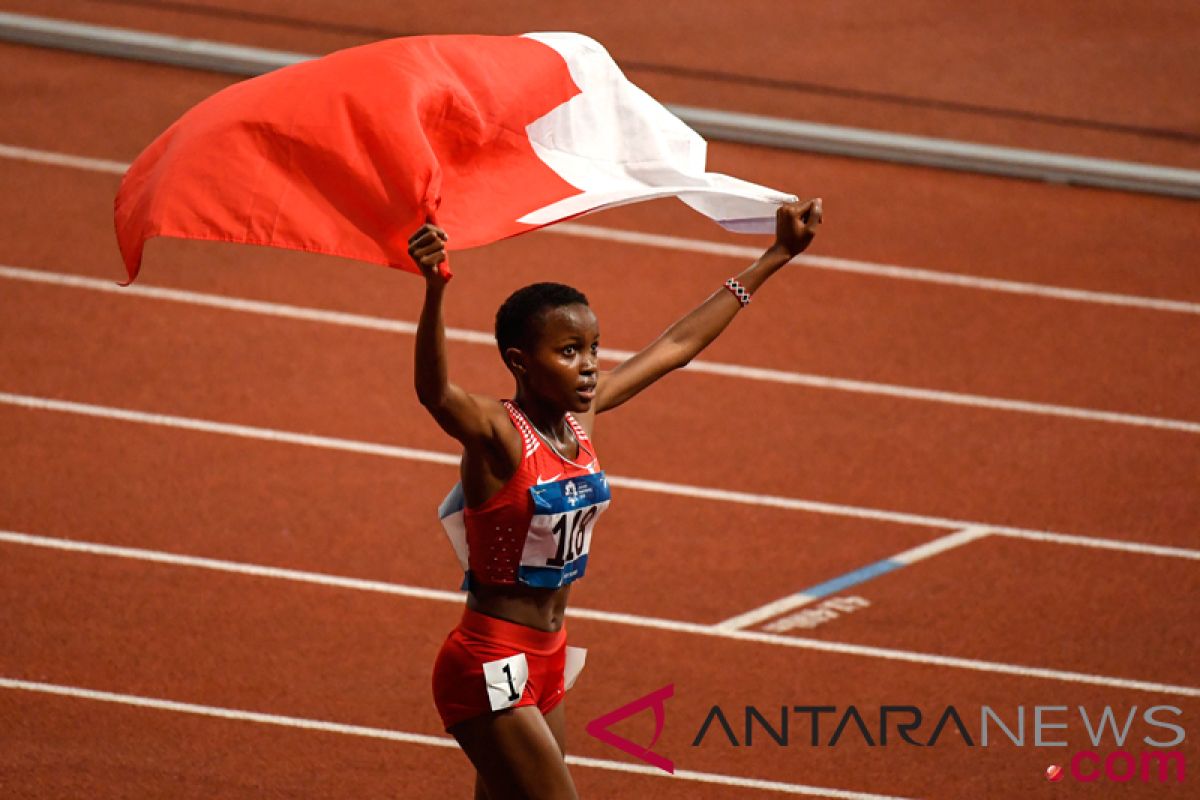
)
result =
(226, 303)
(744, 783)
(948, 542)
(732, 126)
(227, 429)
(876, 270)
(898, 517)
(62, 160)
(891, 271)
(1090, 541)
(615, 618)
(406, 737)
(639, 484)
(235, 567)
(226, 713)
(883, 566)
(607, 354)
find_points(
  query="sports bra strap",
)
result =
(575, 426)
(532, 441)
(528, 438)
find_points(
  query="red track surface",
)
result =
(363, 658)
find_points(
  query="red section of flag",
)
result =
(349, 154)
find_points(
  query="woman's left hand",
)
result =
(796, 225)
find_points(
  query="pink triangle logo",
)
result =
(656, 700)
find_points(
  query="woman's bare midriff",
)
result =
(543, 609)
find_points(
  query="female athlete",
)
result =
(522, 517)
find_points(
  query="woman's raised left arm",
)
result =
(795, 227)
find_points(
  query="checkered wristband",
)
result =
(739, 292)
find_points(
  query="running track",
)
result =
(230, 505)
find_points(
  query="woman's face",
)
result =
(560, 367)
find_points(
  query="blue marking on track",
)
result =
(853, 578)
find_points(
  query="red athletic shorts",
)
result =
(489, 664)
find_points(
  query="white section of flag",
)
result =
(618, 145)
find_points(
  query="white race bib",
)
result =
(506, 679)
(560, 533)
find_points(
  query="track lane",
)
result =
(112, 750)
(808, 321)
(65, 747)
(152, 637)
(279, 505)
(890, 214)
(1108, 65)
(1034, 603)
(1048, 234)
(969, 464)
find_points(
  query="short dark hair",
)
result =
(516, 321)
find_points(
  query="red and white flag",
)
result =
(491, 136)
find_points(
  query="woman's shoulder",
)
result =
(503, 435)
(498, 411)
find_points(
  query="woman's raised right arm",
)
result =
(459, 413)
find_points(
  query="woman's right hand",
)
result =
(428, 249)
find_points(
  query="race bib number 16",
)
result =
(560, 533)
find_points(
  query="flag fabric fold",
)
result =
(350, 153)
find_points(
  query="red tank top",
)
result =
(537, 529)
